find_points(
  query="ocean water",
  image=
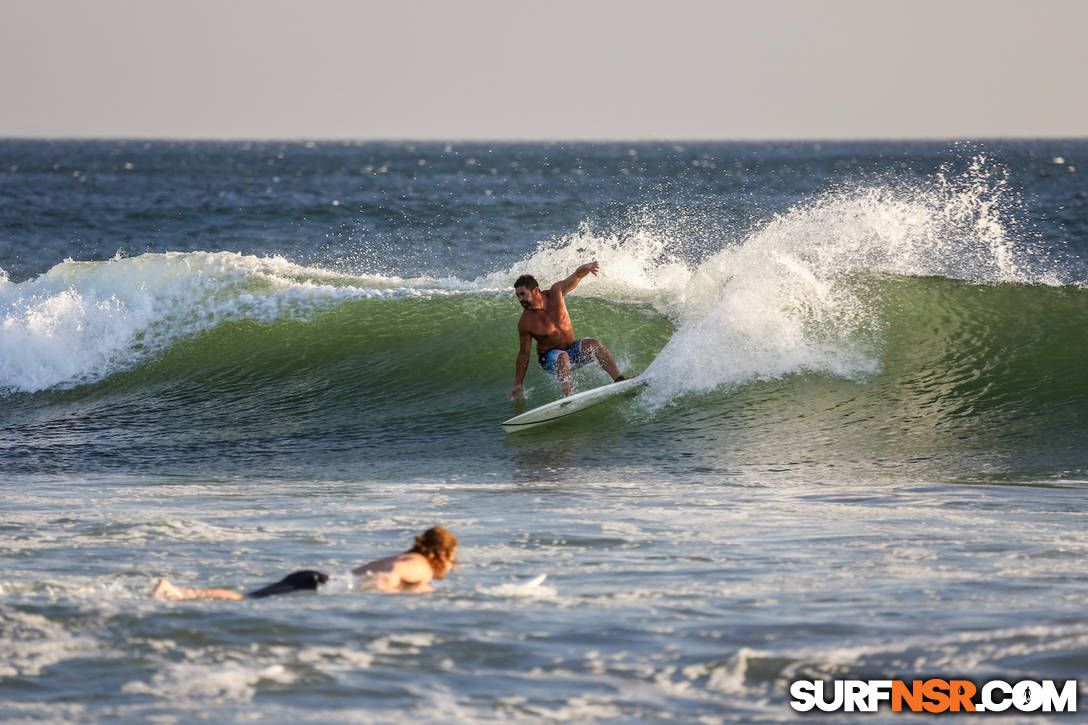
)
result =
(863, 452)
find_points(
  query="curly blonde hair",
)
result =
(432, 544)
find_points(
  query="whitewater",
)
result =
(862, 452)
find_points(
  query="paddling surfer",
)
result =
(546, 320)
(432, 557)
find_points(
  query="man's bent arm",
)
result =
(572, 281)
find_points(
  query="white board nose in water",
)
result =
(571, 404)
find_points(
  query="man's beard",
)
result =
(525, 303)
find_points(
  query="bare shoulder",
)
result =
(411, 560)
(398, 563)
(378, 565)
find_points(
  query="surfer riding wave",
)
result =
(546, 320)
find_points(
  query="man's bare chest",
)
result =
(543, 323)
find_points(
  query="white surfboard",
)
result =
(572, 404)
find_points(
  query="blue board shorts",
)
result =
(574, 352)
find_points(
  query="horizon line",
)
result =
(548, 140)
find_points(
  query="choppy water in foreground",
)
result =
(863, 453)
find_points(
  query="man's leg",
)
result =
(562, 373)
(600, 353)
(294, 582)
(165, 590)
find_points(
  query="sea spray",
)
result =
(794, 294)
(639, 265)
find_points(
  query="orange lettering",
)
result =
(961, 692)
(936, 690)
(912, 696)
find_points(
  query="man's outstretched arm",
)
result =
(525, 346)
(572, 281)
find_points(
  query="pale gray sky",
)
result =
(502, 69)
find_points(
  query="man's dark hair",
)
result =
(526, 280)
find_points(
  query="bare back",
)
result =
(404, 572)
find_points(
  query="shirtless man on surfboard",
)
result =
(545, 319)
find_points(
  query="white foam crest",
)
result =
(729, 676)
(956, 226)
(335, 660)
(82, 321)
(638, 267)
(763, 308)
(215, 682)
(403, 643)
(760, 311)
(32, 643)
(787, 299)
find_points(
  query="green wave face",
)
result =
(954, 368)
(259, 362)
(958, 349)
(979, 379)
(986, 366)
